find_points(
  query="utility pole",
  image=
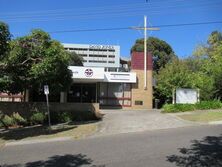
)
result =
(145, 28)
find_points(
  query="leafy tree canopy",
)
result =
(5, 38)
(188, 73)
(36, 60)
(212, 53)
(162, 52)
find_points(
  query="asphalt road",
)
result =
(189, 146)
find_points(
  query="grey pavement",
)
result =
(197, 146)
(125, 121)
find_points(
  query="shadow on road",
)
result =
(202, 153)
(67, 160)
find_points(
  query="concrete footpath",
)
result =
(125, 121)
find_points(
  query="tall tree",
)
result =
(35, 60)
(5, 38)
(212, 53)
(174, 75)
(162, 52)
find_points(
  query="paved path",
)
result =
(201, 147)
(123, 121)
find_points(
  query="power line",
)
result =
(94, 8)
(129, 28)
(112, 12)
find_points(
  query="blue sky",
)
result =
(58, 15)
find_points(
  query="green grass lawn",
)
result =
(43, 132)
(203, 117)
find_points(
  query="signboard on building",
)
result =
(87, 73)
(97, 74)
(126, 77)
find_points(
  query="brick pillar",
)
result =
(142, 99)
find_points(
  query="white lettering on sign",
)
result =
(101, 47)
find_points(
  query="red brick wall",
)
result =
(137, 61)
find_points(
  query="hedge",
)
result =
(204, 105)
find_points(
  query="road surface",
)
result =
(197, 146)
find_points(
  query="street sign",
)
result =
(46, 89)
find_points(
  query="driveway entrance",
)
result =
(124, 121)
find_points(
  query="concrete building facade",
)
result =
(112, 85)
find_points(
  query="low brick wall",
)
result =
(25, 109)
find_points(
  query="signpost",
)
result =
(46, 92)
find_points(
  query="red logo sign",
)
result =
(88, 72)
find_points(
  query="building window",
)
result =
(111, 61)
(97, 55)
(97, 61)
(111, 56)
(82, 55)
(79, 49)
(98, 50)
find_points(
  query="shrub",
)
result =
(37, 118)
(8, 121)
(171, 108)
(60, 117)
(65, 117)
(204, 105)
(208, 105)
(18, 119)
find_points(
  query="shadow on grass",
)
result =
(67, 160)
(202, 153)
(21, 133)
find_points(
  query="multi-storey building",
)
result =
(108, 80)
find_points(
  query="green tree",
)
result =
(174, 75)
(36, 60)
(201, 78)
(212, 53)
(162, 52)
(5, 38)
(75, 59)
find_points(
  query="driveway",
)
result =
(124, 121)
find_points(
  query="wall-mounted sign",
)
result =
(85, 73)
(125, 77)
(97, 74)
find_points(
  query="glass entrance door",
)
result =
(82, 93)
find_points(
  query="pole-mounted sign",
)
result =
(46, 92)
(46, 89)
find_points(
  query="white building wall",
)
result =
(96, 55)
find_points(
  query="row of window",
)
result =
(86, 49)
(99, 61)
(84, 55)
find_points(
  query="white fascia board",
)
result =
(123, 77)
